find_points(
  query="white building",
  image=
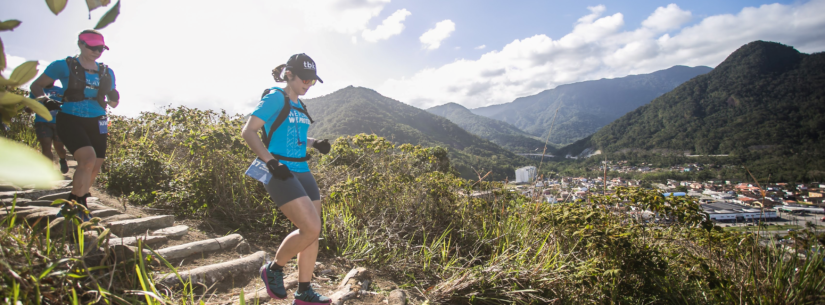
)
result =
(525, 174)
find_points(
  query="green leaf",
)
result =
(56, 6)
(24, 73)
(24, 166)
(37, 107)
(2, 57)
(8, 98)
(9, 25)
(109, 17)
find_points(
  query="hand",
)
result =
(322, 146)
(278, 170)
(113, 104)
(49, 103)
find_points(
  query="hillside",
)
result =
(355, 110)
(499, 132)
(587, 106)
(764, 101)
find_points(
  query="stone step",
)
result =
(203, 246)
(208, 275)
(55, 196)
(133, 240)
(172, 232)
(113, 218)
(140, 225)
(105, 213)
(32, 194)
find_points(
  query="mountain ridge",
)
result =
(499, 132)
(764, 102)
(355, 110)
(584, 107)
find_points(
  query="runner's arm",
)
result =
(250, 135)
(40, 83)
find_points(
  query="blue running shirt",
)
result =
(55, 93)
(88, 108)
(290, 139)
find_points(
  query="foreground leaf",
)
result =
(24, 72)
(8, 98)
(2, 57)
(56, 6)
(109, 17)
(9, 25)
(24, 166)
(38, 108)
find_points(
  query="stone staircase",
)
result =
(232, 264)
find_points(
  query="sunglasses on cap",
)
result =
(95, 48)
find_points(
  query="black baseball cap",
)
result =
(303, 66)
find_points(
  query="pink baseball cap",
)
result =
(93, 40)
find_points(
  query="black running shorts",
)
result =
(300, 185)
(77, 132)
(46, 130)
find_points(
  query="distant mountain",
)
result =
(587, 106)
(355, 110)
(765, 100)
(499, 132)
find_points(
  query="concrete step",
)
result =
(119, 217)
(208, 275)
(172, 232)
(140, 225)
(32, 194)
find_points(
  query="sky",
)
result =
(219, 54)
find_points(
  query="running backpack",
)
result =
(75, 91)
(266, 137)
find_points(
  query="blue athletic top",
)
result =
(55, 93)
(290, 139)
(88, 108)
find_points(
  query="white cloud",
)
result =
(391, 26)
(481, 47)
(342, 16)
(432, 38)
(599, 47)
(667, 18)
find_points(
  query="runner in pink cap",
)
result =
(82, 123)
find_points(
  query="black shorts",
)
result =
(46, 130)
(300, 185)
(77, 132)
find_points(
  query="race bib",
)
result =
(258, 171)
(103, 124)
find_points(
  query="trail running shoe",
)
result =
(64, 167)
(274, 282)
(309, 297)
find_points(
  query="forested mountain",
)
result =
(587, 106)
(764, 104)
(499, 132)
(355, 110)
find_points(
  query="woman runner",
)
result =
(292, 186)
(82, 122)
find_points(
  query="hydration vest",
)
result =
(75, 91)
(267, 137)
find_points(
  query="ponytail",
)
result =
(276, 73)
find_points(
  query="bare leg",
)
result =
(58, 147)
(307, 257)
(95, 171)
(83, 174)
(46, 147)
(303, 214)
